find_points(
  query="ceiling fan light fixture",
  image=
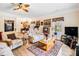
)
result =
(22, 6)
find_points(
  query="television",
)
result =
(72, 31)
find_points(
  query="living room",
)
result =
(39, 33)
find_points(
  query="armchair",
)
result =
(4, 49)
(14, 42)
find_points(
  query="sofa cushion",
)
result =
(0, 36)
(11, 36)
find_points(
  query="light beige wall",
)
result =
(18, 25)
(1, 25)
(71, 18)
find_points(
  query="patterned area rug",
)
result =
(52, 52)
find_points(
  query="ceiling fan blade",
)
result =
(25, 10)
(26, 5)
(21, 6)
(18, 7)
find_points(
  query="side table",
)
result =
(24, 40)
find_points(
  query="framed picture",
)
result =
(8, 25)
(24, 24)
(38, 23)
(33, 22)
(58, 19)
(42, 23)
(47, 22)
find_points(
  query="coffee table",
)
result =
(46, 44)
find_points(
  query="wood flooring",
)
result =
(23, 51)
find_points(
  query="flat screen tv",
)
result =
(72, 31)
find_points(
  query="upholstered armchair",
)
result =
(13, 41)
(5, 50)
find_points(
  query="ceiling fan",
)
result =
(22, 6)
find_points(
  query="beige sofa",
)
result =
(13, 43)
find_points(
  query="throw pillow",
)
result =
(0, 36)
(11, 36)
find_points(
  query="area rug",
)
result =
(52, 52)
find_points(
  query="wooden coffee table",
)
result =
(46, 45)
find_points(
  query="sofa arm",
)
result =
(8, 41)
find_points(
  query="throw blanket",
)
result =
(37, 37)
(5, 50)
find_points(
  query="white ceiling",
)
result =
(38, 9)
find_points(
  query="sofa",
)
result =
(5, 50)
(12, 39)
